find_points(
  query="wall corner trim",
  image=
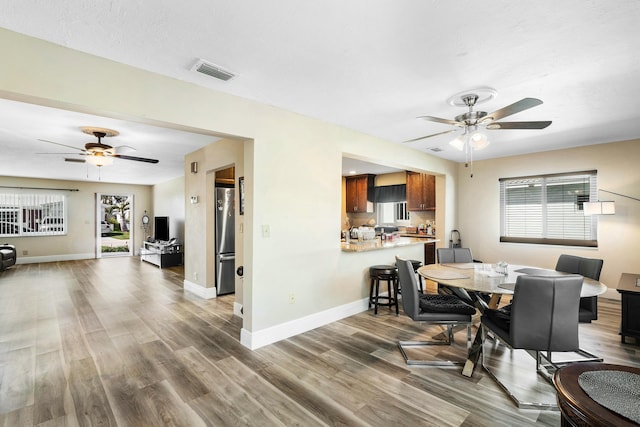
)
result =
(202, 292)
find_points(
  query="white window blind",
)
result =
(548, 209)
(31, 214)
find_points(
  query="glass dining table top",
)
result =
(484, 278)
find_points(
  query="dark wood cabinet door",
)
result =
(352, 195)
(429, 253)
(421, 192)
(414, 191)
(359, 192)
(429, 188)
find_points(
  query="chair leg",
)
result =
(402, 345)
(546, 366)
(513, 394)
(396, 287)
(420, 286)
(375, 305)
(371, 288)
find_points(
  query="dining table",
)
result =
(494, 280)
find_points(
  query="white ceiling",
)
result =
(369, 65)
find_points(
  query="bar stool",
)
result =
(416, 265)
(389, 274)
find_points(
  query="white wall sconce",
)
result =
(195, 200)
(599, 208)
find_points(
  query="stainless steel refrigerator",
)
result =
(225, 241)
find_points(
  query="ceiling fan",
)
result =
(97, 153)
(472, 121)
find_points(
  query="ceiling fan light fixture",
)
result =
(99, 159)
(478, 140)
(459, 142)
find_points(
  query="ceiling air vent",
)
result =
(212, 70)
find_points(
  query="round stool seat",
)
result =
(383, 270)
(383, 273)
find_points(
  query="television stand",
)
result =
(161, 254)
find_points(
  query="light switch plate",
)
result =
(266, 231)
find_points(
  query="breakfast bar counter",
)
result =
(377, 244)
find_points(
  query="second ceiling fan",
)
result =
(472, 121)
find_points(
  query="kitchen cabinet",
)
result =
(359, 193)
(421, 192)
(429, 253)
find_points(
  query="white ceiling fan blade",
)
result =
(516, 107)
(429, 136)
(519, 125)
(124, 149)
(62, 145)
(440, 120)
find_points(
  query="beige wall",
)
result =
(168, 200)
(200, 223)
(618, 235)
(80, 240)
(292, 172)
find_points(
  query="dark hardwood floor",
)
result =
(117, 342)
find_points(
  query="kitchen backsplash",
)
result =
(417, 218)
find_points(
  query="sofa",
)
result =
(7, 256)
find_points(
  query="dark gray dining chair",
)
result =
(543, 319)
(446, 310)
(454, 255)
(587, 267)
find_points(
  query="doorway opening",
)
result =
(114, 235)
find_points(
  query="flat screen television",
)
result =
(161, 228)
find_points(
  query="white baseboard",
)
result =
(257, 339)
(53, 258)
(202, 292)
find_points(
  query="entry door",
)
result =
(114, 230)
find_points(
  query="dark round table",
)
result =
(576, 407)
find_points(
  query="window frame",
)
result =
(558, 217)
(28, 211)
(398, 208)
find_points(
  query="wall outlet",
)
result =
(25, 252)
(638, 282)
(292, 298)
(195, 275)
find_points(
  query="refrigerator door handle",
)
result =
(225, 257)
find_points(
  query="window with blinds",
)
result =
(32, 214)
(548, 209)
(392, 213)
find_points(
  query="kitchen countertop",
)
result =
(374, 245)
(418, 236)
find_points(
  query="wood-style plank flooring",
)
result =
(116, 342)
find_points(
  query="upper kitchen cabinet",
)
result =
(421, 192)
(359, 193)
